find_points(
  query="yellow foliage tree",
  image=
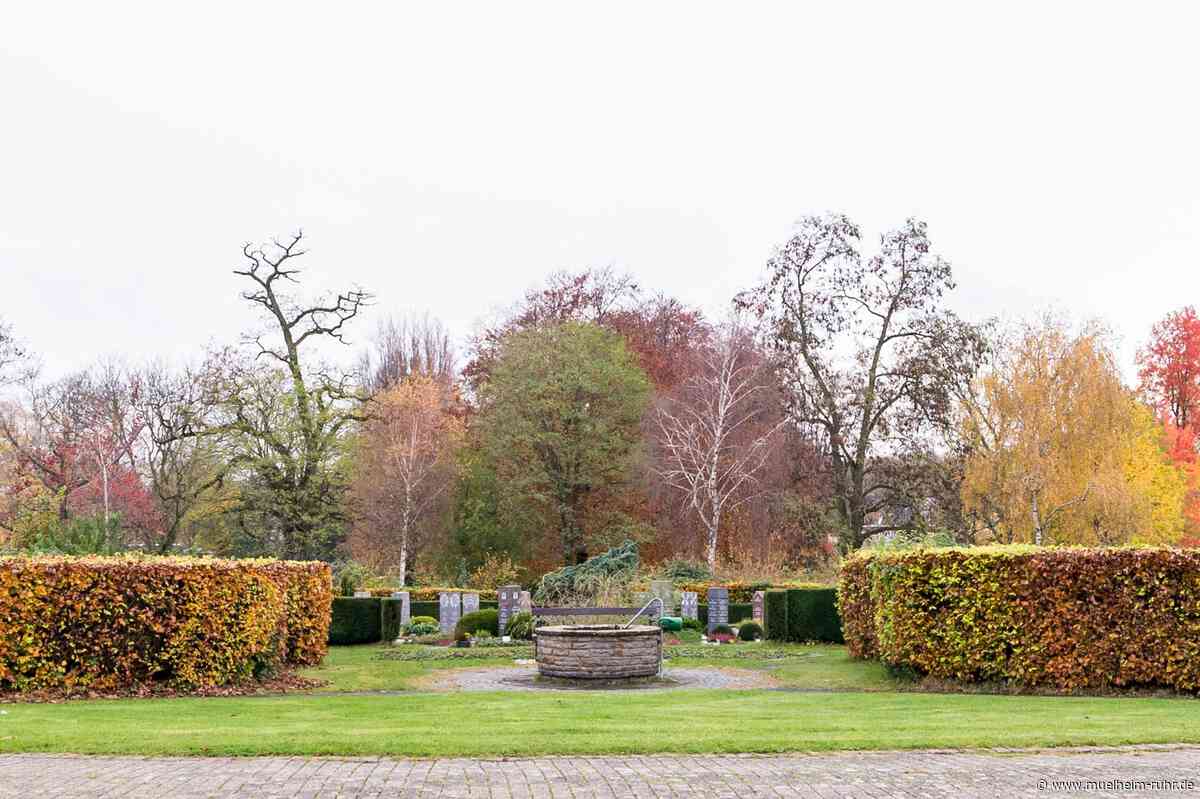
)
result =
(1060, 451)
(404, 465)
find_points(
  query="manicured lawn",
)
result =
(356, 668)
(863, 711)
(423, 724)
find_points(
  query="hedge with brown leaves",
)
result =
(1066, 618)
(104, 624)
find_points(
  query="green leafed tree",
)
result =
(561, 417)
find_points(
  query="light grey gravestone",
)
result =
(449, 611)
(718, 607)
(689, 605)
(525, 603)
(362, 594)
(664, 590)
(470, 603)
(405, 607)
(760, 597)
(509, 598)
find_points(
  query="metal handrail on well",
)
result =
(654, 599)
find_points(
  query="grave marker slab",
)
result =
(509, 597)
(718, 607)
(405, 606)
(449, 611)
(760, 598)
(525, 603)
(470, 603)
(664, 590)
(689, 605)
(362, 594)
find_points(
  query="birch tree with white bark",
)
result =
(404, 469)
(714, 435)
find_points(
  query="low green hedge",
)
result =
(812, 615)
(775, 609)
(738, 611)
(369, 620)
(355, 620)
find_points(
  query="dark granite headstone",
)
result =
(760, 598)
(470, 603)
(509, 597)
(449, 611)
(718, 607)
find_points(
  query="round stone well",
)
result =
(599, 651)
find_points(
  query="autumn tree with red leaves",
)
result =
(1169, 375)
(1169, 367)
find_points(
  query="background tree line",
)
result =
(839, 399)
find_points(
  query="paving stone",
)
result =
(988, 774)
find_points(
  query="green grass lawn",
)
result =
(863, 712)
(356, 668)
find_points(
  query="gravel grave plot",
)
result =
(525, 678)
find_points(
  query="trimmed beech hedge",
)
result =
(1066, 618)
(114, 623)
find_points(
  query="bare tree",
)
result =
(712, 434)
(184, 469)
(76, 430)
(868, 352)
(405, 347)
(15, 361)
(290, 432)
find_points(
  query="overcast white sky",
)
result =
(449, 156)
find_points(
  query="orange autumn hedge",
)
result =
(1064, 618)
(117, 623)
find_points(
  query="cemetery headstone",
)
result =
(362, 594)
(689, 605)
(470, 603)
(449, 611)
(405, 607)
(509, 597)
(664, 590)
(718, 607)
(760, 598)
(525, 603)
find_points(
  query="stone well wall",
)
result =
(599, 652)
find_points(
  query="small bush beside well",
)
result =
(750, 631)
(488, 620)
(520, 627)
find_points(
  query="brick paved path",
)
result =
(871, 774)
